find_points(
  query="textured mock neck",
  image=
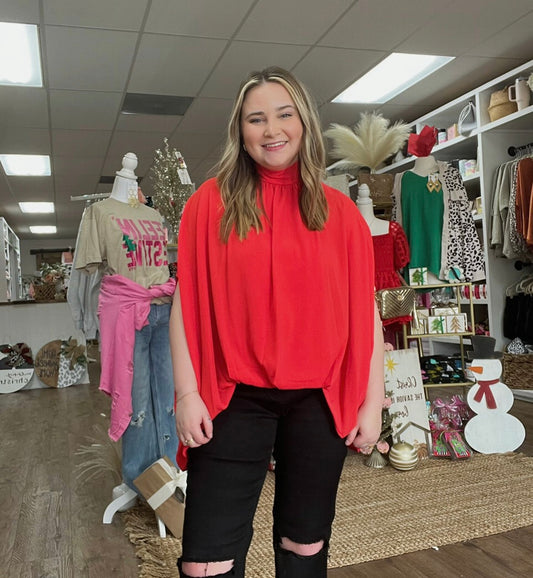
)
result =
(288, 176)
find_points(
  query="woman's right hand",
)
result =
(193, 421)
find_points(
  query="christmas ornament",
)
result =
(403, 456)
(172, 184)
(376, 459)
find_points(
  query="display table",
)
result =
(37, 323)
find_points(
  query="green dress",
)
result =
(422, 216)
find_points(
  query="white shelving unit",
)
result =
(10, 267)
(488, 143)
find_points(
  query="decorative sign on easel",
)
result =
(16, 367)
(403, 383)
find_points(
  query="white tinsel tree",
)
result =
(172, 184)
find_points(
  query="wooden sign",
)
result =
(403, 383)
(60, 363)
(47, 363)
(16, 367)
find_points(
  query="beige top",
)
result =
(124, 240)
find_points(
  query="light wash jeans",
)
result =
(151, 433)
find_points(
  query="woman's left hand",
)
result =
(368, 429)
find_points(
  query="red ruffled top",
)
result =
(391, 253)
(286, 307)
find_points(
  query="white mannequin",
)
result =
(366, 208)
(425, 166)
(125, 184)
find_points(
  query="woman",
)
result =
(274, 336)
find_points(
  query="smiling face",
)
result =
(271, 127)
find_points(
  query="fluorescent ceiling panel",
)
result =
(391, 76)
(37, 207)
(20, 64)
(26, 165)
(43, 229)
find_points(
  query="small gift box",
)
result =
(158, 485)
(456, 323)
(418, 276)
(445, 310)
(437, 324)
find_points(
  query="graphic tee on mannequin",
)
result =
(391, 249)
(423, 213)
(124, 236)
(128, 241)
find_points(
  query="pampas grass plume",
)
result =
(369, 143)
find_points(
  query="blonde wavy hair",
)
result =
(236, 173)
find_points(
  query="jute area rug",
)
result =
(380, 513)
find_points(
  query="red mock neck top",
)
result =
(286, 307)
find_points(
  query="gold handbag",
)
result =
(396, 301)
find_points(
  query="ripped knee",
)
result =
(138, 419)
(302, 549)
(203, 569)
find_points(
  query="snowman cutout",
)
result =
(492, 430)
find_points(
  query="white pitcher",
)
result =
(520, 93)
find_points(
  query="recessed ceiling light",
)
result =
(20, 64)
(37, 207)
(26, 165)
(43, 229)
(391, 76)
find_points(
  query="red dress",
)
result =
(391, 253)
(286, 307)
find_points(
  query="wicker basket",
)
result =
(45, 292)
(518, 370)
(500, 105)
(380, 187)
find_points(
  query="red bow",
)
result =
(484, 390)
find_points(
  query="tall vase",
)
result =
(376, 459)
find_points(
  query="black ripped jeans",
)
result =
(226, 475)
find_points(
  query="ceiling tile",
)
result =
(21, 106)
(76, 184)
(148, 122)
(26, 11)
(514, 41)
(365, 27)
(32, 188)
(206, 115)
(77, 165)
(206, 18)
(118, 14)
(173, 64)
(19, 141)
(243, 57)
(454, 80)
(281, 21)
(84, 110)
(195, 145)
(77, 143)
(95, 59)
(328, 71)
(470, 22)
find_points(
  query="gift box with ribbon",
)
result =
(160, 485)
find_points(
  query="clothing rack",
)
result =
(527, 149)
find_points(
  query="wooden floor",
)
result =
(51, 524)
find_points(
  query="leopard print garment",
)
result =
(463, 250)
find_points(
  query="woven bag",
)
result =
(45, 292)
(500, 105)
(380, 186)
(396, 302)
(518, 370)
